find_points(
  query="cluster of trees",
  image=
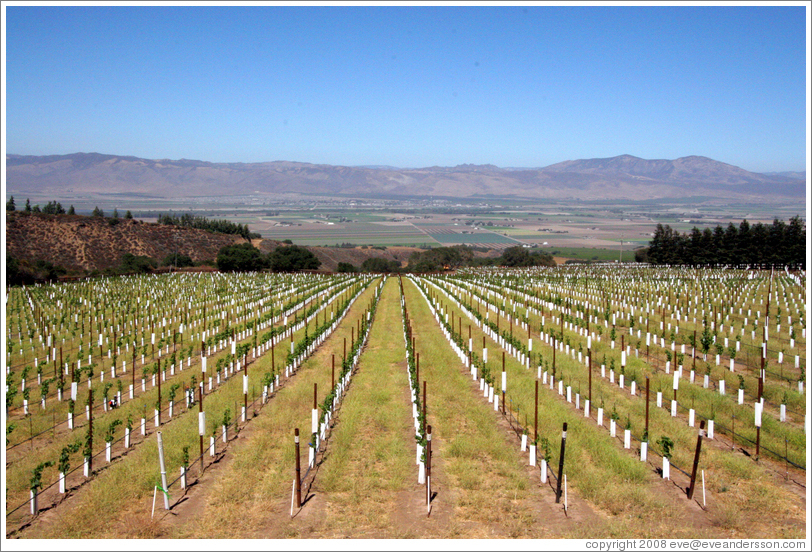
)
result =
(22, 273)
(212, 225)
(115, 218)
(177, 260)
(244, 256)
(55, 208)
(779, 244)
(438, 259)
(520, 257)
(51, 208)
(136, 263)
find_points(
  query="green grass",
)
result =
(130, 480)
(721, 465)
(589, 253)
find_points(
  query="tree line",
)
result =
(244, 256)
(778, 244)
(51, 208)
(55, 208)
(212, 225)
(438, 259)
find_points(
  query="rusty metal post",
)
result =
(696, 459)
(298, 469)
(90, 430)
(561, 464)
(503, 379)
(424, 406)
(428, 466)
(648, 401)
(159, 392)
(536, 425)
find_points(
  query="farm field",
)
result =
(492, 363)
(578, 227)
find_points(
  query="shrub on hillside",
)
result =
(136, 263)
(436, 259)
(518, 256)
(177, 260)
(240, 257)
(21, 273)
(380, 265)
(292, 258)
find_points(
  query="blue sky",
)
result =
(523, 86)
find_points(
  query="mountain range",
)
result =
(624, 177)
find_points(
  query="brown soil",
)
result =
(81, 243)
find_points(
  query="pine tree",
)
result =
(10, 204)
(71, 211)
(115, 212)
(98, 212)
(27, 205)
(128, 215)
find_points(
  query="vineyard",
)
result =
(585, 401)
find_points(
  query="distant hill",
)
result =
(622, 177)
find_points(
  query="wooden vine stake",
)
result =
(561, 464)
(692, 486)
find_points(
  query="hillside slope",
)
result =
(85, 244)
(81, 243)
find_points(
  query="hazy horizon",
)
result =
(410, 86)
(371, 165)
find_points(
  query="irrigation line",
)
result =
(515, 293)
(502, 311)
(631, 435)
(730, 397)
(726, 430)
(292, 310)
(235, 424)
(101, 406)
(505, 314)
